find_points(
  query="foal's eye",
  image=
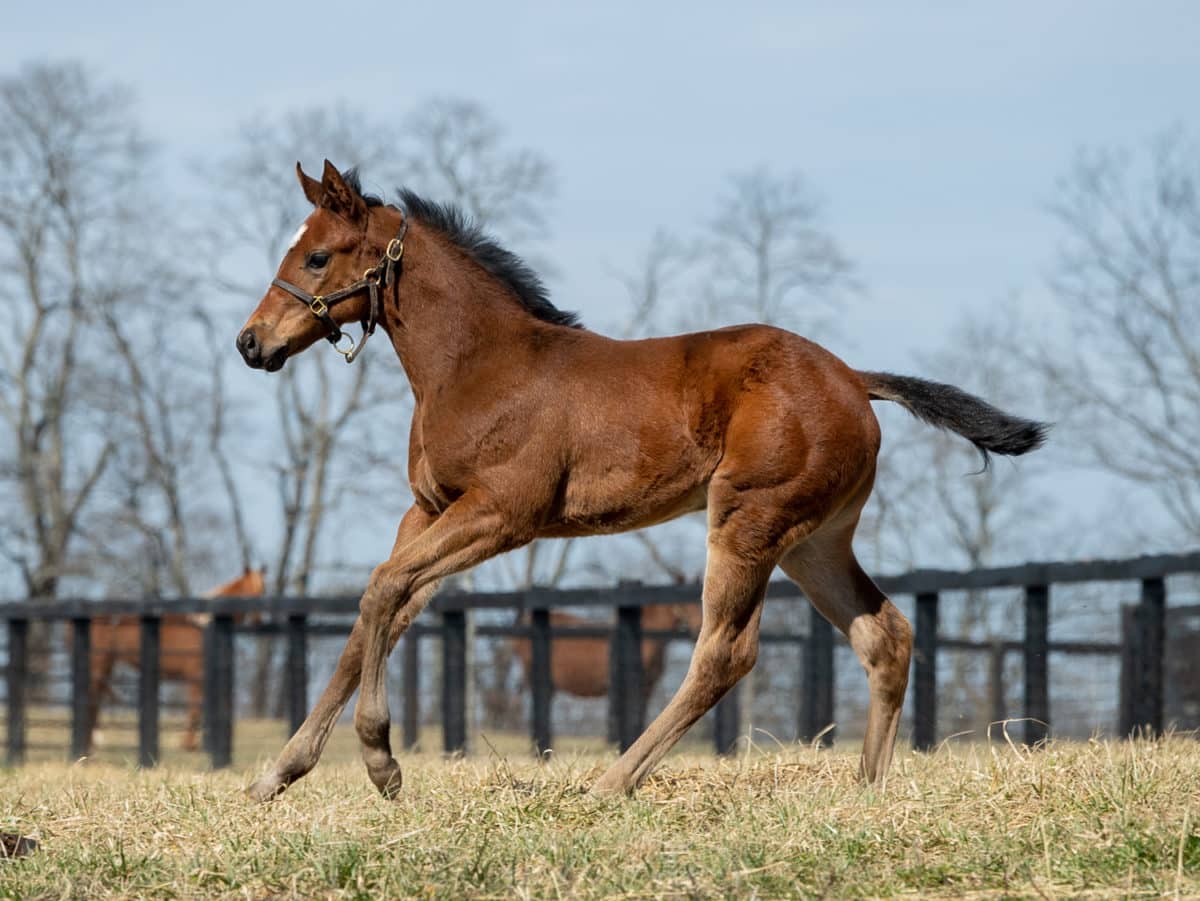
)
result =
(318, 259)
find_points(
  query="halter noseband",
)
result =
(372, 280)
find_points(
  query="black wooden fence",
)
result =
(1140, 648)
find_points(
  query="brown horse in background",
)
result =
(181, 640)
(580, 666)
(527, 426)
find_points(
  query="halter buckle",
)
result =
(395, 250)
(318, 306)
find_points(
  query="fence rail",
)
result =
(1140, 649)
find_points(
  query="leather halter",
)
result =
(372, 281)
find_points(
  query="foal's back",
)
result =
(644, 426)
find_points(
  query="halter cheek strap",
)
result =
(372, 281)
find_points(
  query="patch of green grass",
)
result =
(986, 821)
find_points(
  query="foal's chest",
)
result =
(431, 493)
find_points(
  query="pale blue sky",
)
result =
(934, 132)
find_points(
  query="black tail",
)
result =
(947, 407)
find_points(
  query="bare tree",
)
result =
(70, 163)
(97, 469)
(456, 151)
(1126, 366)
(651, 284)
(770, 257)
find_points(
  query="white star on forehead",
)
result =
(299, 234)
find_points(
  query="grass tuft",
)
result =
(1094, 818)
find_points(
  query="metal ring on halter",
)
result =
(349, 352)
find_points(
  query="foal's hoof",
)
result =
(13, 845)
(388, 779)
(268, 787)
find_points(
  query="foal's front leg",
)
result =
(303, 750)
(468, 533)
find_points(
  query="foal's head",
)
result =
(250, 584)
(343, 239)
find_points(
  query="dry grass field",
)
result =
(1075, 819)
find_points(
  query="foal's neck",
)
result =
(449, 315)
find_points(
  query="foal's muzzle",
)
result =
(259, 357)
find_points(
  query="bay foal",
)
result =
(526, 425)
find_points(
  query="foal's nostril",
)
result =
(247, 344)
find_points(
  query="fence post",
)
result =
(1149, 621)
(219, 701)
(542, 687)
(81, 685)
(454, 681)
(925, 673)
(996, 683)
(297, 669)
(816, 708)
(148, 682)
(411, 714)
(1127, 705)
(1037, 641)
(207, 688)
(727, 718)
(17, 670)
(625, 675)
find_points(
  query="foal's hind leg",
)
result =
(100, 676)
(195, 702)
(725, 651)
(825, 568)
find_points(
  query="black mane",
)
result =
(470, 237)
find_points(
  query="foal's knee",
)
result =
(742, 657)
(725, 660)
(387, 589)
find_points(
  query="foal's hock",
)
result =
(526, 425)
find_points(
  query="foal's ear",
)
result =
(311, 187)
(340, 198)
